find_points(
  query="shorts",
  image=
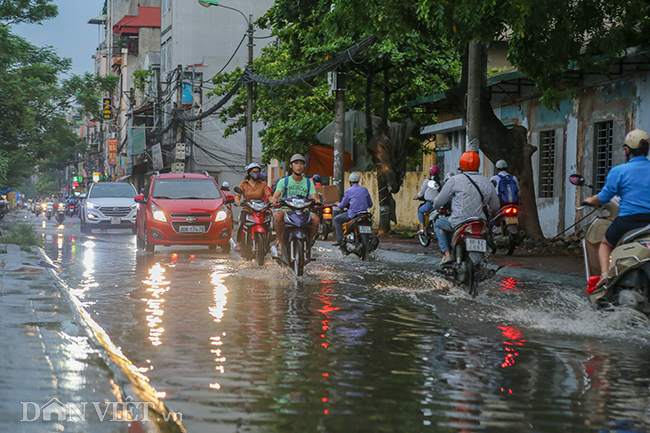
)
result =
(624, 224)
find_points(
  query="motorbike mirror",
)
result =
(432, 184)
(139, 198)
(577, 179)
(82, 196)
(230, 198)
(238, 190)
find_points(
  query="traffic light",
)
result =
(106, 108)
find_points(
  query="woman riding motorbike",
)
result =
(429, 194)
(253, 188)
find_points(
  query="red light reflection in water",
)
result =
(514, 339)
(508, 284)
(325, 297)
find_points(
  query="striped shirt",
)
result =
(465, 199)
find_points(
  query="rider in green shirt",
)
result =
(296, 184)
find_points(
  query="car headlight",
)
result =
(158, 214)
(90, 205)
(221, 215)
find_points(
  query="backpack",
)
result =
(508, 191)
(286, 184)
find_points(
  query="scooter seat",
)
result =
(633, 234)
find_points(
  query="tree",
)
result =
(406, 61)
(544, 38)
(26, 11)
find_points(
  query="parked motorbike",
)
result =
(629, 266)
(49, 210)
(469, 246)
(504, 230)
(60, 212)
(296, 236)
(430, 219)
(256, 230)
(357, 236)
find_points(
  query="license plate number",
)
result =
(116, 220)
(327, 216)
(191, 229)
(512, 220)
(365, 229)
(479, 245)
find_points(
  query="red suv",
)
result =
(183, 209)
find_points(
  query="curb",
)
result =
(129, 380)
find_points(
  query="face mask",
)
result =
(255, 176)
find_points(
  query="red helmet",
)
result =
(470, 161)
(433, 170)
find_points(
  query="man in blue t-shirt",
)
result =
(290, 186)
(631, 182)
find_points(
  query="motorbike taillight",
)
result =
(511, 211)
(327, 209)
(475, 229)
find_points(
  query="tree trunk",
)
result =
(498, 142)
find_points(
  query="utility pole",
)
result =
(179, 154)
(474, 96)
(249, 86)
(339, 132)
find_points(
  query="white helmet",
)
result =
(251, 166)
(501, 164)
(225, 185)
(354, 177)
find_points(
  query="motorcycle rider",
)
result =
(429, 194)
(290, 186)
(225, 186)
(463, 192)
(253, 188)
(631, 182)
(507, 185)
(317, 180)
(356, 199)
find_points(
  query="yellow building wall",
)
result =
(406, 208)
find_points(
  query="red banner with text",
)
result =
(112, 151)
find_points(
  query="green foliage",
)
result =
(406, 63)
(142, 77)
(545, 38)
(26, 11)
(22, 234)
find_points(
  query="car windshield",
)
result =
(185, 189)
(115, 190)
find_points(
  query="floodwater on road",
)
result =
(353, 346)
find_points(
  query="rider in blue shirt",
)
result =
(356, 199)
(631, 182)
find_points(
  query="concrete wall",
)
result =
(405, 207)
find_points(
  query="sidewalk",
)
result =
(50, 357)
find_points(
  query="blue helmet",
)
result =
(316, 178)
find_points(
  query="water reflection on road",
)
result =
(353, 346)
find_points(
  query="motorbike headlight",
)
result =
(221, 215)
(90, 205)
(44, 205)
(157, 213)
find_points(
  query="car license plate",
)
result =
(365, 229)
(479, 245)
(116, 220)
(327, 216)
(191, 229)
(512, 220)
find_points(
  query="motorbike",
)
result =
(296, 236)
(49, 210)
(429, 233)
(357, 236)
(326, 214)
(504, 229)
(4, 209)
(40, 207)
(60, 212)
(469, 246)
(629, 266)
(71, 210)
(256, 230)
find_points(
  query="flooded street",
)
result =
(354, 346)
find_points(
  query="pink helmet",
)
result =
(434, 169)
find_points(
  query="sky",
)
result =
(69, 33)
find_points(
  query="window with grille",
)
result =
(603, 152)
(546, 163)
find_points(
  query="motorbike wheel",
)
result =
(2, 215)
(225, 248)
(49, 217)
(511, 244)
(299, 257)
(424, 238)
(261, 249)
(326, 231)
(365, 246)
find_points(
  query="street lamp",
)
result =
(249, 86)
